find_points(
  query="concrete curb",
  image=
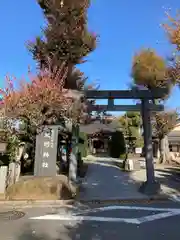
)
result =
(58, 203)
(34, 203)
(129, 200)
(43, 203)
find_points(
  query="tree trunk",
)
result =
(19, 154)
(11, 174)
(164, 150)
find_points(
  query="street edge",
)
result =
(34, 203)
(57, 203)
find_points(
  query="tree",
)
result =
(172, 28)
(164, 123)
(66, 36)
(65, 39)
(76, 81)
(43, 100)
(151, 71)
(130, 124)
(117, 145)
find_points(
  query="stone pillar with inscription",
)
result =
(46, 151)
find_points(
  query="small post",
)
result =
(74, 155)
(3, 177)
(151, 186)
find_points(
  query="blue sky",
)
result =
(124, 27)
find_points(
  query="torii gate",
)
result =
(151, 186)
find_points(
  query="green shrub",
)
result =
(122, 156)
(117, 144)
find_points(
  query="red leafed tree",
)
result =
(43, 100)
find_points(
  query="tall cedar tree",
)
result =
(66, 37)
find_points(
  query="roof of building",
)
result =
(96, 127)
(174, 136)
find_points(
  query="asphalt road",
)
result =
(123, 221)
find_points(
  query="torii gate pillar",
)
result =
(151, 186)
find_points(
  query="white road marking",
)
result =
(109, 208)
(164, 213)
(86, 218)
(116, 207)
(157, 216)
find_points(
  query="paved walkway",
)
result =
(106, 181)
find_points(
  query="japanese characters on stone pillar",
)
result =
(46, 152)
(47, 143)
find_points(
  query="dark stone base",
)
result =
(151, 188)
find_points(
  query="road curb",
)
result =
(125, 201)
(34, 203)
(58, 203)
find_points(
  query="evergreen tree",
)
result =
(130, 124)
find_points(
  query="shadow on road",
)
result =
(169, 177)
(104, 180)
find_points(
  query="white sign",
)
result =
(138, 150)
